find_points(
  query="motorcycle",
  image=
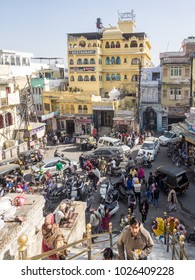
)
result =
(58, 154)
(147, 164)
(123, 191)
(77, 188)
(115, 172)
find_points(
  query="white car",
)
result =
(50, 165)
(168, 137)
(151, 145)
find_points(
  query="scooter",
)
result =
(113, 207)
(115, 172)
(104, 188)
(123, 192)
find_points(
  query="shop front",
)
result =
(84, 125)
(123, 122)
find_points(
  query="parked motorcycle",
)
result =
(115, 172)
(104, 188)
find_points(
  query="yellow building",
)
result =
(101, 61)
(177, 81)
(68, 111)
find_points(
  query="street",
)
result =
(185, 209)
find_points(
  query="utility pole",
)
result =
(139, 90)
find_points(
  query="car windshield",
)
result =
(168, 134)
(117, 143)
(148, 146)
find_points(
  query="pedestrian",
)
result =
(156, 195)
(172, 200)
(59, 167)
(53, 238)
(131, 202)
(137, 191)
(144, 207)
(81, 160)
(96, 177)
(129, 183)
(133, 171)
(143, 187)
(104, 224)
(108, 254)
(102, 166)
(95, 222)
(135, 241)
(140, 173)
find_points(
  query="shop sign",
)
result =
(49, 116)
(36, 130)
(84, 121)
(83, 52)
(103, 108)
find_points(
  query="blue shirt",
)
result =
(129, 185)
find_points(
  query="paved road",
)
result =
(185, 210)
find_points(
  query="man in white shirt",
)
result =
(137, 190)
(113, 166)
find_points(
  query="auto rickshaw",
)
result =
(30, 157)
(172, 178)
(86, 142)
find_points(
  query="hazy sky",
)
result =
(40, 27)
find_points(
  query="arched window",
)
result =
(12, 60)
(112, 45)
(93, 78)
(71, 62)
(118, 44)
(75, 46)
(72, 78)
(86, 78)
(80, 78)
(112, 60)
(92, 61)
(107, 77)
(118, 60)
(135, 61)
(1, 122)
(85, 109)
(70, 45)
(86, 61)
(133, 44)
(17, 60)
(72, 109)
(126, 46)
(125, 60)
(89, 45)
(135, 78)
(141, 45)
(94, 45)
(107, 60)
(107, 46)
(82, 44)
(8, 119)
(113, 78)
(80, 109)
(118, 77)
(79, 61)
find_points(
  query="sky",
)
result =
(41, 27)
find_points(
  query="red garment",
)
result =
(140, 173)
(105, 222)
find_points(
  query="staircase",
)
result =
(159, 251)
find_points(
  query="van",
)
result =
(113, 142)
(172, 178)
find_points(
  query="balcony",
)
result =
(3, 102)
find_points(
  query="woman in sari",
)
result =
(105, 220)
(52, 238)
